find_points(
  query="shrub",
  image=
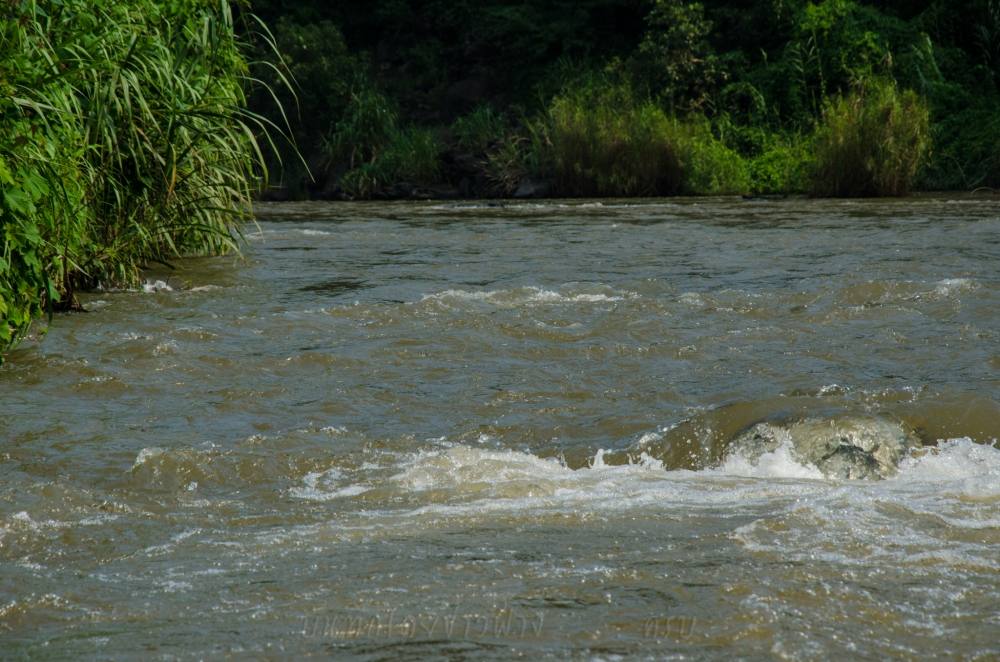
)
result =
(599, 141)
(709, 166)
(783, 166)
(871, 142)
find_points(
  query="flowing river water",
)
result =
(688, 428)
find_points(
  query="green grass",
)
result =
(480, 130)
(124, 140)
(601, 141)
(871, 142)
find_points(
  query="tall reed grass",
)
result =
(378, 152)
(603, 142)
(606, 145)
(871, 142)
(124, 139)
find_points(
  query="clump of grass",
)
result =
(409, 155)
(366, 126)
(871, 142)
(124, 140)
(377, 152)
(519, 154)
(602, 143)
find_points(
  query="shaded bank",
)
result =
(471, 98)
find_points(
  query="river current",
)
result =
(706, 428)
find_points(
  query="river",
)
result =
(480, 431)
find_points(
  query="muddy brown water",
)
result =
(470, 430)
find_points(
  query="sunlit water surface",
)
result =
(398, 431)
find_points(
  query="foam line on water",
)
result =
(525, 296)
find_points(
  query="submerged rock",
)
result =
(849, 447)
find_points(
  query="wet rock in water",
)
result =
(850, 447)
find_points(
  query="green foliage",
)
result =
(525, 152)
(871, 142)
(314, 56)
(429, 54)
(598, 140)
(783, 167)
(827, 48)
(602, 143)
(967, 147)
(123, 140)
(674, 58)
(366, 127)
(479, 130)
(710, 167)
(761, 71)
(409, 155)
(377, 151)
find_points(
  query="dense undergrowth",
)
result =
(124, 140)
(641, 97)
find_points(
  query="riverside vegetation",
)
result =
(124, 140)
(641, 97)
(137, 132)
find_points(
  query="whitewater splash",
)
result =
(525, 296)
(855, 447)
(464, 479)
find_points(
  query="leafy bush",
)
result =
(871, 142)
(709, 166)
(782, 167)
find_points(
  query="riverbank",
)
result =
(845, 97)
(599, 139)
